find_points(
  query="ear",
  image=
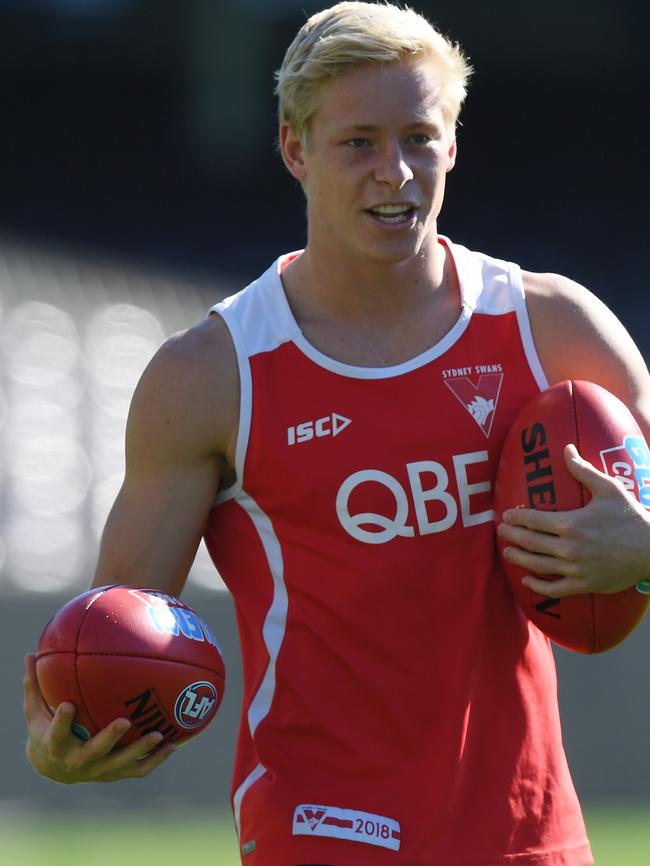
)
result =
(451, 155)
(293, 152)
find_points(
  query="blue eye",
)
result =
(419, 138)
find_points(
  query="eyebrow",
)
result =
(370, 127)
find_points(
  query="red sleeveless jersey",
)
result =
(398, 707)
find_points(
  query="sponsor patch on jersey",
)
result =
(328, 425)
(248, 847)
(350, 824)
(477, 388)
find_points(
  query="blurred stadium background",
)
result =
(139, 184)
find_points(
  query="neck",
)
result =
(364, 289)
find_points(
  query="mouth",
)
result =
(393, 214)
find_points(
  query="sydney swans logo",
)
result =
(480, 397)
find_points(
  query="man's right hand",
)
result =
(58, 754)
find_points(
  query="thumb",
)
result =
(586, 473)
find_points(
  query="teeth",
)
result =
(391, 209)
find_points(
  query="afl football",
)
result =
(124, 652)
(532, 473)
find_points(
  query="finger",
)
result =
(540, 563)
(140, 768)
(126, 758)
(551, 522)
(30, 683)
(60, 732)
(535, 541)
(555, 588)
(104, 741)
(135, 751)
(33, 703)
(585, 472)
(148, 764)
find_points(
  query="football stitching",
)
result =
(133, 655)
(592, 598)
(76, 654)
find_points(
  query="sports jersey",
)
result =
(398, 707)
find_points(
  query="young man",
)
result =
(398, 707)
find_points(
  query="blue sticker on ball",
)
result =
(80, 731)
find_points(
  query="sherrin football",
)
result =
(532, 473)
(126, 652)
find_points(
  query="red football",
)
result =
(121, 651)
(532, 473)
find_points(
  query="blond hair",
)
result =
(347, 34)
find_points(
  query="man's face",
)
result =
(375, 166)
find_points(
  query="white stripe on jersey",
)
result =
(276, 617)
(272, 631)
(248, 782)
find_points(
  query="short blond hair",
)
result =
(350, 33)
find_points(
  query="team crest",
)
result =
(480, 397)
(312, 816)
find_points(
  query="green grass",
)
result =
(620, 837)
(119, 841)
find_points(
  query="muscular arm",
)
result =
(605, 546)
(180, 441)
(578, 337)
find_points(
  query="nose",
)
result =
(391, 167)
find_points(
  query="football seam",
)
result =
(99, 594)
(592, 599)
(134, 655)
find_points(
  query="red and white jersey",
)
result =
(398, 708)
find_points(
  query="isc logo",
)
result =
(329, 425)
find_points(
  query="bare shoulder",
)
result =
(557, 296)
(201, 355)
(578, 337)
(189, 392)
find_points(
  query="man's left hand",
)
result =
(602, 547)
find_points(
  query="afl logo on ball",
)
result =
(195, 704)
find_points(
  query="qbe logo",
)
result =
(195, 704)
(423, 506)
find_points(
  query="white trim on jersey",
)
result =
(274, 294)
(493, 287)
(273, 632)
(525, 330)
(487, 285)
(238, 796)
(238, 336)
(276, 616)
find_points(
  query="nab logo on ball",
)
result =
(195, 704)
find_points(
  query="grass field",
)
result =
(620, 837)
